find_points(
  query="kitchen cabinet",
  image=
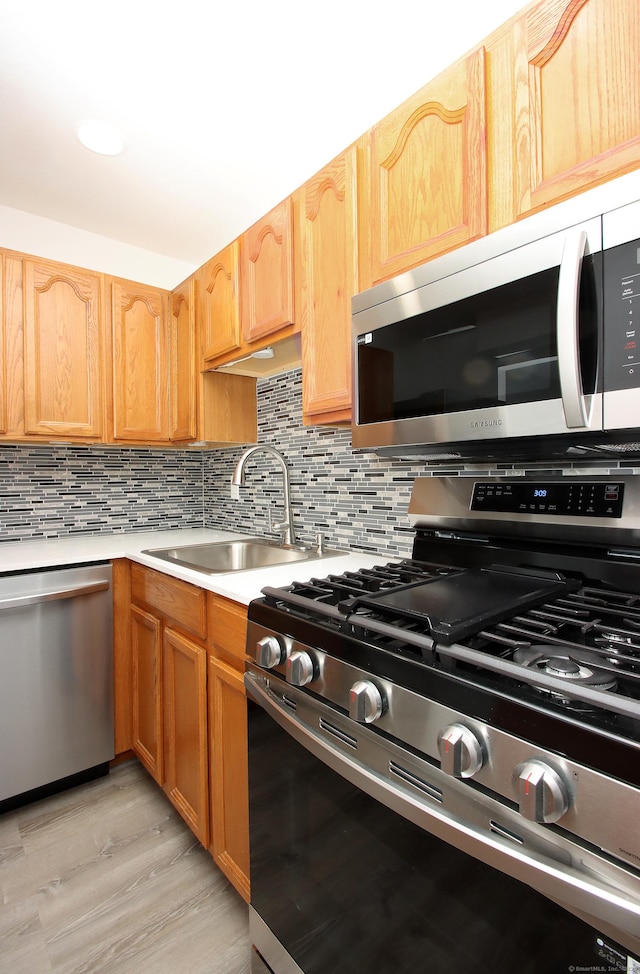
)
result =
(63, 350)
(141, 362)
(189, 720)
(575, 98)
(229, 773)
(182, 357)
(3, 375)
(53, 347)
(219, 304)
(185, 719)
(146, 654)
(326, 276)
(168, 628)
(266, 274)
(425, 176)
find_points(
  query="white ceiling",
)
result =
(225, 108)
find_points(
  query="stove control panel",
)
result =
(578, 498)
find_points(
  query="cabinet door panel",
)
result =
(182, 351)
(267, 273)
(579, 60)
(219, 303)
(326, 279)
(146, 652)
(426, 173)
(141, 363)
(229, 773)
(185, 698)
(62, 350)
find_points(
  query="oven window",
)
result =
(496, 348)
(348, 886)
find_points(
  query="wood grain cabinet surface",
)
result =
(219, 304)
(576, 97)
(141, 362)
(266, 274)
(425, 185)
(326, 276)
(189, 711)
(146, 653)
(182, 359)
(186, 774)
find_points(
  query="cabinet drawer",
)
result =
(178, 601)
(228, 628)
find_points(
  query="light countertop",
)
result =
(239, 586)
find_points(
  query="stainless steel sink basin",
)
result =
(243, 555)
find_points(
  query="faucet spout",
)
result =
(238, 479)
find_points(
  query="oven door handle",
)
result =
(610, 909)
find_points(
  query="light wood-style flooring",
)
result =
(107, 879)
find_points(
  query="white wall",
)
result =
(58, 241)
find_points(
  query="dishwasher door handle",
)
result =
(19, 601)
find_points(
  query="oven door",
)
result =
(464, 356)
(357, 865)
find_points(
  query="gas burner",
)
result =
(617, 646)
(566, 665)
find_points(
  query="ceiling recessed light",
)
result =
(101, 137)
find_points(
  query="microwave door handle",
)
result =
(568, 330)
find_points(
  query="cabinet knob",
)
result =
(542, 794)
(365, 702)
(461, 752)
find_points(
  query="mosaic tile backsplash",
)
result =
(357, 500)
(57, 491)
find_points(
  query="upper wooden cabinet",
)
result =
(63, 350)
(3, 360)
(326, 272)
(141, 362)
(219, 303)
(182, 356)
(266, 279)
(425, 188)
(576, 91)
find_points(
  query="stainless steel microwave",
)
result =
(522, 343)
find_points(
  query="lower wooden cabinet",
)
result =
(186, 773)
(146, 652)
(189, 711)
(229, 773)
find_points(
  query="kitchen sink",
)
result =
(243, 555)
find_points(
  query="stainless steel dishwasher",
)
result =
(56, 679)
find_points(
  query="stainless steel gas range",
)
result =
(445, 751)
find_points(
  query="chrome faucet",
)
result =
(237, 480)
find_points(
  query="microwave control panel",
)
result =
(575, 498)
(622, 316)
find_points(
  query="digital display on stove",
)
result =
(579, 498)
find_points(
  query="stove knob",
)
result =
(365, 702)
(270, 652)
(299, 670)
(542, 794)
(461, 752)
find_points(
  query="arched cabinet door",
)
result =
(326, 278)
(219, 303)
(425, 186)
(182, 353)
(141, 362)
(266, 274)
(577, 89)
(63, 350)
